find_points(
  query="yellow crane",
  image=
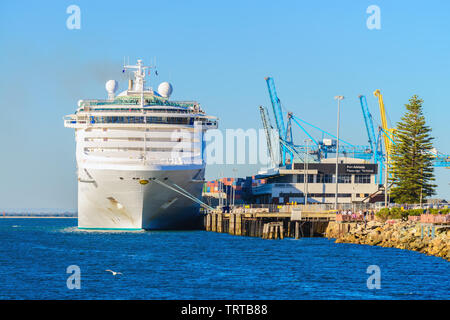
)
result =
(388, 135)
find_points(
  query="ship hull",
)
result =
(132, 200)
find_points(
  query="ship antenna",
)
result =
(139, 78)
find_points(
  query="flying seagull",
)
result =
(114, 272)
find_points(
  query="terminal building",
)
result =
(317, 182)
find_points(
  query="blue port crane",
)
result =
(267, 129)
(368, 120)
(320, 149)
(374, 141)
(276, 106)
(278, 113)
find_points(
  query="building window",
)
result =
(345, 178)
(301, 178)
(329, 195)
(324, 178)
(362, 178)
(283, 179)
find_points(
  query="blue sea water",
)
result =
(35, 253)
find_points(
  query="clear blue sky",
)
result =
(217, 53)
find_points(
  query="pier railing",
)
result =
(252, 208)
(354, 217)
(434, 218)
(423, 218)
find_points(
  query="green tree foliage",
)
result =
(411, 162)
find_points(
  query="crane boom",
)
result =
(369, 123)
(374, 142)
(388, 136)
(276, 105)
(278, 113)
(267, 127)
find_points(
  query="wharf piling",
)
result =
(288, 223)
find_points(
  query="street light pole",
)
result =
(385, 184)
(338, 98)
(221, 200)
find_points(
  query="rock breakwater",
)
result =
(407, 235)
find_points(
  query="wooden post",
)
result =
(297, 229)
(238, 226)
(231, 227)
(220, 223)
(214, 222)
(281, 231)
(260, 228)
(208, 222)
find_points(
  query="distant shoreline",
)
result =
(34, 217)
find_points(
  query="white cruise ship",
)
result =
(139, 158)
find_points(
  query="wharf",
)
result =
(285, 222)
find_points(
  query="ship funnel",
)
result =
(130, 85)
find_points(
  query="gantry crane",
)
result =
(368, 121)
(267, 129)
(320, 149)
(278, 113)
(374, 141)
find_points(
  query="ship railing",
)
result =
(134, 120)
(134, 102)
(138, 110)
